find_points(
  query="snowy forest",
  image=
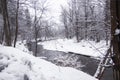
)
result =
(59, 39)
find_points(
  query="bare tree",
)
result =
(37, 21)
(65, 22)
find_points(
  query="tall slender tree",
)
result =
(16, 30)
(107, 20)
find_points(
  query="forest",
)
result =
(60, 39)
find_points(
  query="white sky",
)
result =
(55, 8)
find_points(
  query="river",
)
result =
(70, 59)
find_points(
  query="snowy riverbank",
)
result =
(18, 65)
(89, 48)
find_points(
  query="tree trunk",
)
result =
(76, 22)
(16, 30)
(86, 18)
(101, 68)
(36, 41)
(66, 32)
(107, 20)
(36, 34)
(115, 24)
(77, 29)
(6, 23)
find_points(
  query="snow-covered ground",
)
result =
(89, 48)
(18, 65)
(21, 46)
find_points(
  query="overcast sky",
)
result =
(55, 8)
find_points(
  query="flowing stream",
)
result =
(70, 59)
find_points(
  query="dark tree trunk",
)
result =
(36, 41)
(115, 24)
(16, 30)
(77, 29)
(66, 32)
(86, 18)
(6, 23)
(36, 35)
(2, 36)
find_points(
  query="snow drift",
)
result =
(18, 65)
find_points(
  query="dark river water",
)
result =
(80, 62)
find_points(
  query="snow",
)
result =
(117, 31)
(18, 65)
(89, 48)
(21, 46)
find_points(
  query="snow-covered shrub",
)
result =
(68, 60)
